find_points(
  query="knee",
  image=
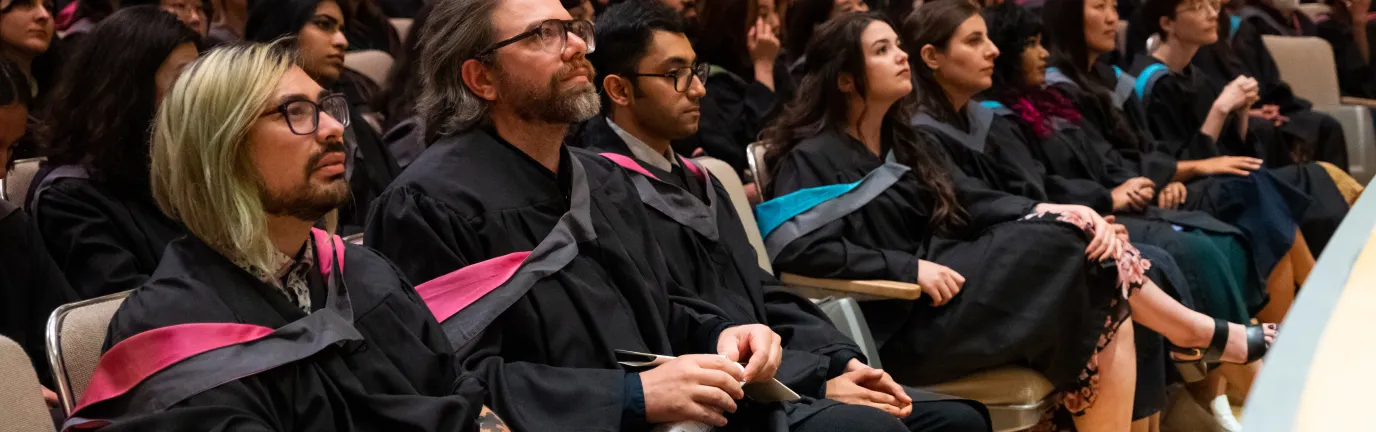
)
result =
(857, 418)
(951, 416)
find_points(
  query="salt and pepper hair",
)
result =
(456, 31)
(201, 171)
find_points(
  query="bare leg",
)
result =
(1205, 391)
(1112, 409)
(1240, 378)
(1149, 424)
(1183, 326)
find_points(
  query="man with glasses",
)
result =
(651, 84)
(256, 320)
(534, 256)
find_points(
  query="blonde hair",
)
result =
(201, 172)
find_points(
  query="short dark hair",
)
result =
(101, 110)
(624, 32)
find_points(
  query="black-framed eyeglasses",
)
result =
(553, 36)
(303, 116)
(683, 77)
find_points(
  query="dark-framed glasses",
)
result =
(683, 77)
(551, 35)
(303, 116)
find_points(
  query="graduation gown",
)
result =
(31, 286)
(106, 238)
(700, 234)
(547, 353)
(734, 112)
(235, 354)
(1163, 94)
(1356, 77)
(1029, 298)
(1316, 136)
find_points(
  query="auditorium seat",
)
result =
(23, 409)
(15, 186)
(1315, 11)
(76, 333)
(373, 64)
(1016, 397)
(1306, 64)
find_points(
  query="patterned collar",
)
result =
(292, 277)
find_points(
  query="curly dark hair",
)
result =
(822, 106)
(102, 108)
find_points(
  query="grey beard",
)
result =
(571, 107)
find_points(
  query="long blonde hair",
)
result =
(201, 172)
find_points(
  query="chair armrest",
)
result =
(1348, 100)
(859, 289)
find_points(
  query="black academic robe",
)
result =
(31, 286)
(1029, 298)
(106, 238)
(376, 360)
(712, 261)
(734, 112)
(1170, 123)
(1315, 135)
(1356, 76)
(548, 358)
(1131, 150)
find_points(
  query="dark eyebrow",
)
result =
(326, 17)
(674, 62)
(880, 43)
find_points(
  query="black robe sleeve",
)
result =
(86, 242)
(1175, 120)
(31, 286)
(1356, 77)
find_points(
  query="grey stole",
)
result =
(869, 188)
(679, 205)
(980, 120)
(1122, 90)
(554, 252)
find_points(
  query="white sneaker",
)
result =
(1223, 413)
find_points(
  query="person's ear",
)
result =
(1167, 26)
(846, 83)
(930, 57)
(618, 90)
(478, 78)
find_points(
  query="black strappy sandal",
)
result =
(1193, 363)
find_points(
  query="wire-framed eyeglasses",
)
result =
(552, 35)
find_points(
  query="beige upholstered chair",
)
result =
(15, 186)
(1306, 63)
(403, 26)
(1017, 397)
(76, 333)
(23, 409)
(373, 64)
(1314, 10)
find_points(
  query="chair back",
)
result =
(76, 334)
(732, 182)
(373, 64)
(24, 409)
(1315, 11)
(15, 186)
(1306, 63)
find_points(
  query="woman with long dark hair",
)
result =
(1351, 33)
(1182, 104)
(92, 199)
(956, 63)
(26, 39)
(842, 210)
